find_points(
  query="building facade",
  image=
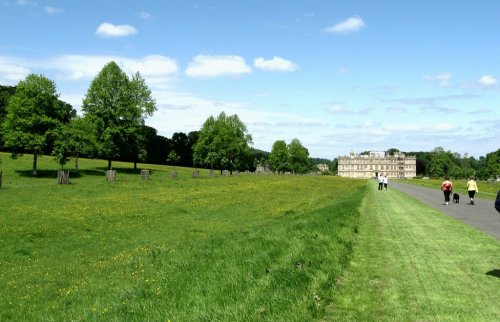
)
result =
(377, 163)
(322, 167)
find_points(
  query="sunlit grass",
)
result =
(239, 248)
(412, 263)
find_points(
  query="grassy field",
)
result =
(240, 248)
(412, 263)
(487, 190)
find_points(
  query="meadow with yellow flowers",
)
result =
(237, 248)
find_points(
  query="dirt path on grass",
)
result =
(482, 215)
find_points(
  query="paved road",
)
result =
(481, 215)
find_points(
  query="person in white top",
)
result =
(386, 181)
(380, 181)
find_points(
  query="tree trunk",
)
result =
(76, 164)
(35, 157)
(109, 164)
(135, 165)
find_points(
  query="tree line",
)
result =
(439, 162)
(34, 120)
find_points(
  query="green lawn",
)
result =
(240, 248)
(412, 263)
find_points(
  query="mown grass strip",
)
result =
(413, 263)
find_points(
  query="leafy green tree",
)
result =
(157, 146)
(392, 151)
(334, 166)
(298, 157)
(173, 158)
(5, 93)
(117, 107)
(192, 139)
(72, 140)
(180, 143)
(492, 169)
(34, 112)
(144, 101)
(278, 159)
(441, 162)
(222, 142)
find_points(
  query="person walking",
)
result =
(447, 188)
(380, 182)
(386, 181)
(497, 201)
(472, 189)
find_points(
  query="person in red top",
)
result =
(447, 188)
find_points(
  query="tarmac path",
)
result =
(482, 215)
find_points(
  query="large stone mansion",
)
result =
(377, 163)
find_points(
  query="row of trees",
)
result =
(439, 163)
(292, 157)
(223, 142)
(115, 107)
(35, 121)
(78, 135)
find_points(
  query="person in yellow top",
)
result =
(472, 189)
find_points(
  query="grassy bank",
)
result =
(241, 248)
(412, 263)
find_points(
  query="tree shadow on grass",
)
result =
(99, 172)
(494, 273)
(125, 170)
(44, 174)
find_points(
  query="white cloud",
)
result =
(396, 110)
(158, 70)
(337, 109)
(347, 26)
(107, 29)
(52, 10)
(380, 132)
(11, 72)
(216, 65)
(487, 80)
(275, 64)
(145, 16)
(443, 79)
(25, 3)
(423, 128)
(153, 65)
(75, 67)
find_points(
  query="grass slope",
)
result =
(247, 248)
(413, 263)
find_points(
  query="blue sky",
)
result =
(337, 75)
